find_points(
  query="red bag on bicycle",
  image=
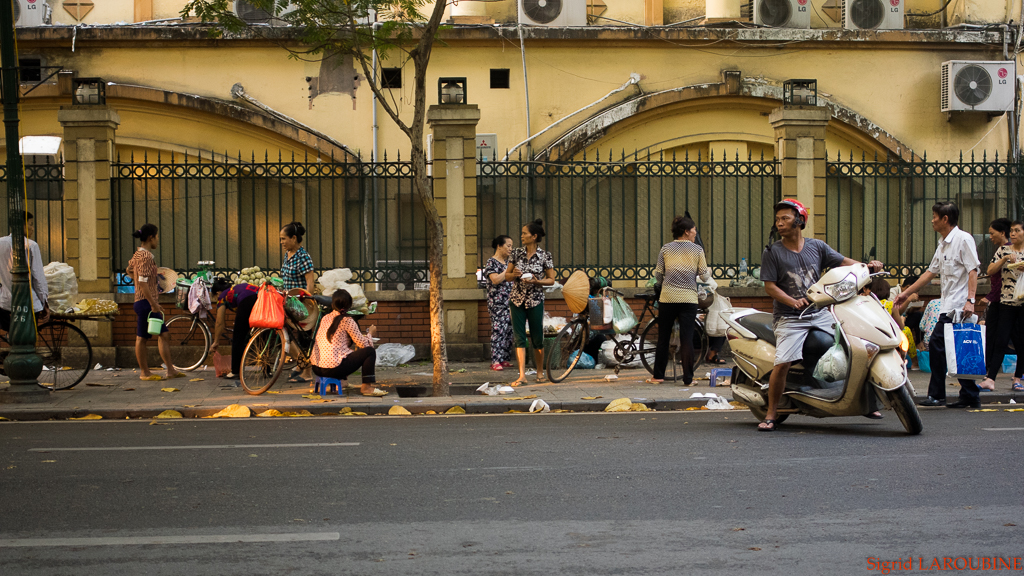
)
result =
(269, 309)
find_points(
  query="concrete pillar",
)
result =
(454, 171)
(800, 146)
(88, 152)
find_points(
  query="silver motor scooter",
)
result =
(875, 348)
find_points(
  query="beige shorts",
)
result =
(791, 333)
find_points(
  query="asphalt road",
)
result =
(589, 494)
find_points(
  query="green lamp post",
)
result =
(22, 365)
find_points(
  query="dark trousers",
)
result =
(240, 336)
(668, 314)
(1009, 326)
(937, 355)
(364, 358)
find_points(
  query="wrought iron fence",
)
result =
(44, 190)
(360, 215)
(882, 209)
(612, 218)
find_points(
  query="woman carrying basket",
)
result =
(143, 272)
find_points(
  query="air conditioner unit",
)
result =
(978, 86)
(553, 12)
(783, 13)
(29, 13)
(873, 14)
(253, 14)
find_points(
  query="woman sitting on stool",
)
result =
(333, 354)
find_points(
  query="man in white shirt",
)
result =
(40, 294)
(956, 263)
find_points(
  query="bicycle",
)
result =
(65, 350)
(574, 336)
(265, 354)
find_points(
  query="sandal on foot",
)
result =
(874, 416)
(376, 392)
(177, 375)
(653, 381)
(715, 361)
(518, 382)
(769, 425)
(153, 378)
(297, 380)
(1018, 387)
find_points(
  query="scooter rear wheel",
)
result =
(904, 407)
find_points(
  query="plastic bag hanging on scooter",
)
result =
(965, 349)
(834, 364)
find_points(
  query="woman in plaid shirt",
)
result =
(297, 269)
(297, 272)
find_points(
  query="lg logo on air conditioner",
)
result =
(895, 5)
(1002, 73)
(802, 5)
(32, 4)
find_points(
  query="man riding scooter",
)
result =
(788, 268)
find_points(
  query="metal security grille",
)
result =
(44, 189)
(882, 209)
(612, 218)
(361, 215)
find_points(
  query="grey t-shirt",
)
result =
(795, 272)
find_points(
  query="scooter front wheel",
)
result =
(903, 404)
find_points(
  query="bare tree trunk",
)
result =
(435, 252)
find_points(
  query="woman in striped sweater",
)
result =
(680, 263)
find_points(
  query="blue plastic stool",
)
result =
(323, 385)
(720, 373)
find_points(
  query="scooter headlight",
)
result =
(844, 289)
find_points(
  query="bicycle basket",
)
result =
(181, 289)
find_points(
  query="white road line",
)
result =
(148, 540)
(196, 447)
(1000, 429)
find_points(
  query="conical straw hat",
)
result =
(166, 279)
(575, 291)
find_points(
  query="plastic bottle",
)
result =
(743, 266)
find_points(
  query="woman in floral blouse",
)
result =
(1011, 310)
(531, 269)
(498, 291)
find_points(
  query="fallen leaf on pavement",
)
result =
(738, 529)
(312, 396)
(155, 423)
(321, 401)
(985, 410)
(128, 389)
(455, 410)
(515, 412)
(620, 405)
(2, 418)
(638, 407)
(100, 384)
(1013, 410)
(88, 417)
(430, 412)
(268, 414)
(530, 397)
(169, 414)
(272, 392)
(196, 379)
(170, 390)
(345, 410)
(398, 411)
(697, 408)
(299, 414)
(232, 411)
(591, 397)
(48, 461)
(754, 549)
(352, 414)
(194, 405)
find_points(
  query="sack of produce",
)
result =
(62, 285)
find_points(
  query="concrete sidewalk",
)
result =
(120, 395)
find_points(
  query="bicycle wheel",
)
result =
(190, 341)
(263, 360)
(648, 345)
(66, 354)
(567, 349)
(700, 345)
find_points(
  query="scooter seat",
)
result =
(760, 324)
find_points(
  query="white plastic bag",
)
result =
(394, 354)
(834, 365)
(1018, 290)
(715, 325)
(337, 279)
(718, 403)
(61, 285)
